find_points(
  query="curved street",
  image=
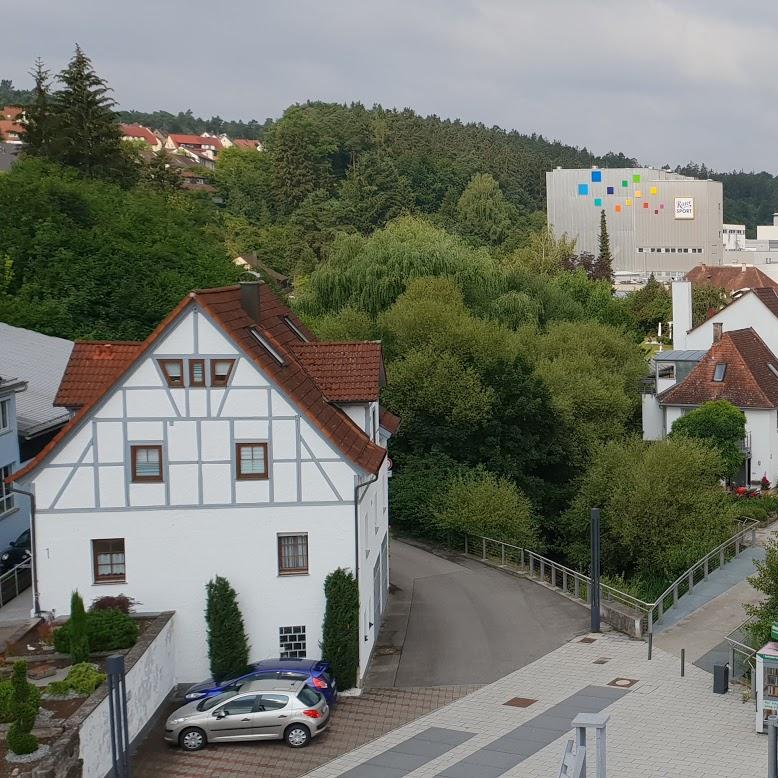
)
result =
(455, 621)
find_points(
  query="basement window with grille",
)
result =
(292, 642)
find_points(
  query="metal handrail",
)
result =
(13, 573)
(576, 584)
(737, 648)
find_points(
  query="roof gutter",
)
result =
(35, 596)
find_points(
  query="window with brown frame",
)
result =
(293, 554)
(196, 372)
(221, 369)
(173, 370)
(251, 461)
(108, 560)
(146, 463)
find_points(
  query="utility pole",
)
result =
(594, 595)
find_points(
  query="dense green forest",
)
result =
(514, 369)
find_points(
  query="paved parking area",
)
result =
(355, 721)
(661, 725)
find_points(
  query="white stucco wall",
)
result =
(748, 311)
(653, 418)
(761, 425)
(201, 521)
(148, 682)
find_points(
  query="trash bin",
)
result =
(720, 679)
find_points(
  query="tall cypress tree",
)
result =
(603, 266)
(228, 646)
(38, 119)
(86, 131)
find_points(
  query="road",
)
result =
(455, 621)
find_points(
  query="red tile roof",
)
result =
(245, 143)
(749, 381)
(195, 140)
(92, 368)
(345, 372)
(140, 132)
(224, 305)
(11, 112)
(732, 278)
(8, 128)
(389, 421)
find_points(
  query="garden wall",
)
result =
(85, 747)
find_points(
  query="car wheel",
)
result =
(297, 736)
(192, 739)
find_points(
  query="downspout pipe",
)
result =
(357, 501)
(35, 597)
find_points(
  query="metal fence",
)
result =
(742, 658)
(576, 584)
(15, 581)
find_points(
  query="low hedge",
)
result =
(82, 679)
(107, 630)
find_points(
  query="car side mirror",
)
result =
(220, 714)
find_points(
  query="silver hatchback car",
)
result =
(259, 710)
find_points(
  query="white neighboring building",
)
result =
(734, 237)
(229, 443)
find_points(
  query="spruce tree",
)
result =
(86, 131)
(38, 119)
(603, 266)
(160, 173)
(340, 631)
(228, 646)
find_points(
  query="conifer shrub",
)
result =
(228, 646)
(25, 707)
(79, 637)
(340, 632)
(106, 630)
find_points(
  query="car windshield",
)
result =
(210, 702)
(308, 696)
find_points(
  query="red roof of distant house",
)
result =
(389, 421)
(12, 112)
(195, 140)
(140, 132)
(92, 368)
(750, 378)
(89, 379)
(245, 143)
(731, 278)
(7, 127)
(345, 372)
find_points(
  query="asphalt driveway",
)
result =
(455, 621)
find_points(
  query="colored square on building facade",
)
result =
(596, 176)
(652, 190)
(638, 193)
(617, 209)
(598, 201)
(661, 206)
(636, 178)
(645, 203)
(628, 202)
(625, 182)
(656, 212)
(610, 190)
(583, 189)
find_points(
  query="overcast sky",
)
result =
(667, 82)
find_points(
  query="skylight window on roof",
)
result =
(295, 329)
(720, 371)
(773, 369)
(265, 345)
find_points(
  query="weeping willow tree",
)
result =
(370, 273)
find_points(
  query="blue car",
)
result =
(315, 672)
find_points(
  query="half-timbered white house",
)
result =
(230, 442)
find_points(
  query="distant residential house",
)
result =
(137, 132)
(11, 131)
(205, 157)
(229, 442)
(199, 143)
(12, 113)
(245, 143)
(251, 262)
(733, 279)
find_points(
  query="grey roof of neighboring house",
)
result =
(690, 355)
(40, 360)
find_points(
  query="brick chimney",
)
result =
(718, 329)
(249, 298)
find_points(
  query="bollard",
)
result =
(650, 644)
(772, 747)
(683, 662)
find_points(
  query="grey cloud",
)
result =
(663, 81)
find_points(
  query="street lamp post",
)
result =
(594, 595)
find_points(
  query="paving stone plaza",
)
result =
(660, 724)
